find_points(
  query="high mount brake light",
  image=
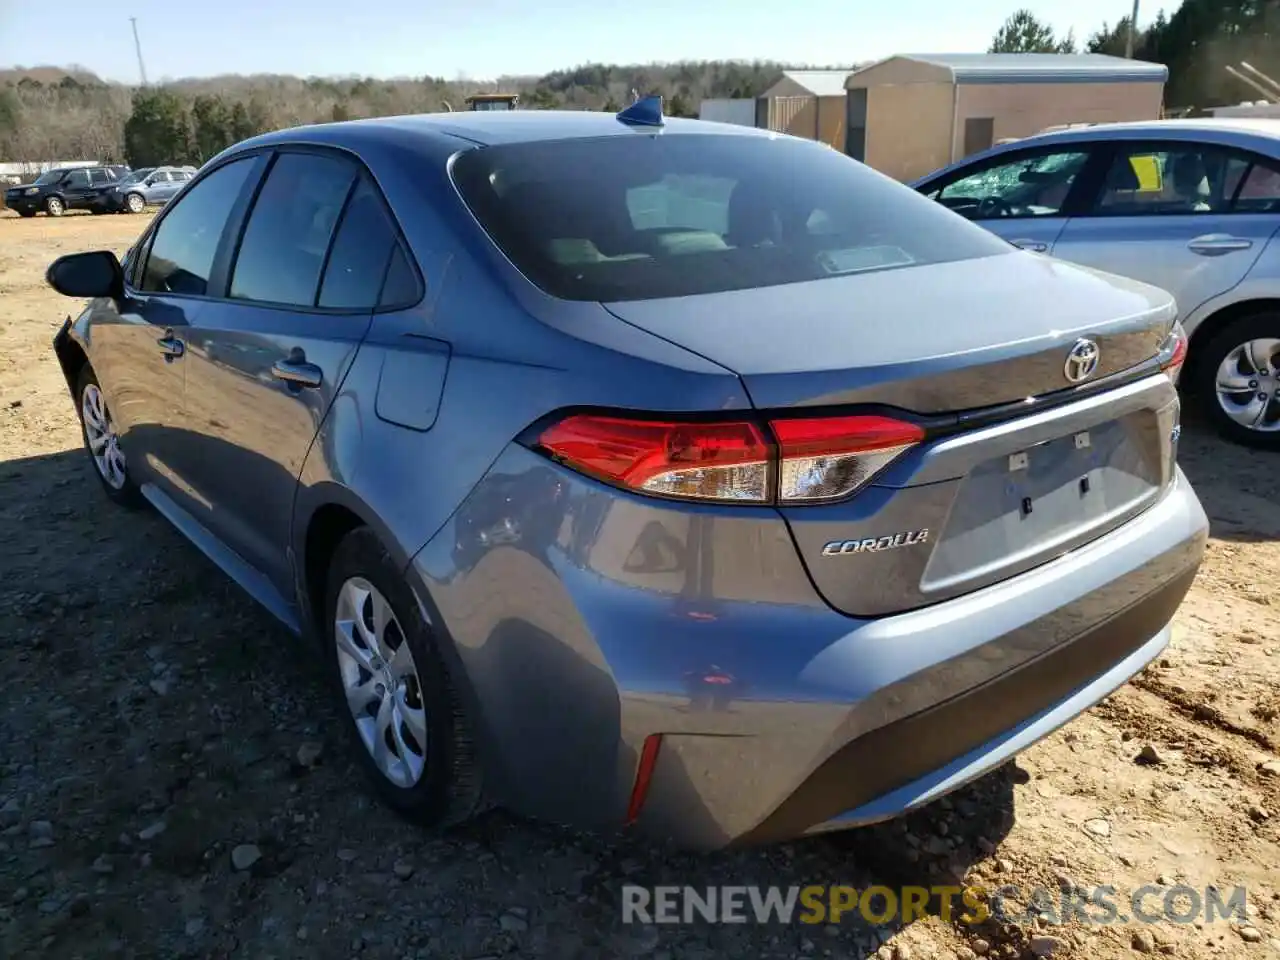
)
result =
(1173, 352)
(813, 459)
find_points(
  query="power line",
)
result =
(137, 45)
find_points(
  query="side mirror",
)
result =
(95, 274)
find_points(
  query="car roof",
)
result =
(488, 128)
(1259, 134)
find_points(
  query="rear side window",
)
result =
(292, 222)
(186, 240)
(401, 287)
(639, 217)
(98, 177)
(361, 249)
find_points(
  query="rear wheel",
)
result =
(410, 733)
(134, 203)
(103, 442)
(1238, 380)
(54, 207)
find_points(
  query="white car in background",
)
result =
(1192, 206)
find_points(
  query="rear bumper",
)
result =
(778, 716)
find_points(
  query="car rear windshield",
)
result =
(640, 217)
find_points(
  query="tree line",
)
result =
(1196, 42)
(73, 115)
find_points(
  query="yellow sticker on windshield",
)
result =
(1147, 170)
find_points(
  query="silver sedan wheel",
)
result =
(104, 443)
(1248, 385)
(135, 203)
(381, 683)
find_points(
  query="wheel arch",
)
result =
(72, 358)
(1207, 328)
(323, 515)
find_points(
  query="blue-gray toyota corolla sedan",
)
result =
(636, 472)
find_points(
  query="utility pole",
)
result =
(137, 45)
(1129, 44)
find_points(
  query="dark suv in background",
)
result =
(63, 188)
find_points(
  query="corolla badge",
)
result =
(1082, 360)
(908, 538)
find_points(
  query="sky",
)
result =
(483, 39)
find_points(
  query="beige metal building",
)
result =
(806, 103)
(911, 114)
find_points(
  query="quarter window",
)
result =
(184, 244)
(358, 261)
(283, 249)
(1030, 186)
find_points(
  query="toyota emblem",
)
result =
(1082, 360)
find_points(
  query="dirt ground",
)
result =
(152, 721)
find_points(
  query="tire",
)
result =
(135, 203)
(124, 492)
(54, 207)
(1219, 350)
(448, 789)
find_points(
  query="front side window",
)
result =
(284, 245)
(634, 218)
(1184, 178)
(77, 178)
(183, 248)
(159, 176)
(1030, 186)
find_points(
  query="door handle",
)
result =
(297, 373)
(1035, 246)
(171, 346)
(1216, 244)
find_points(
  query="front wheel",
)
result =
(405, 718)
(1238, 381)
(102, 442)
(134, 203)
(54, 207)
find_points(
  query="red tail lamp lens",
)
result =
(830, 457)
(705, 461)
(816, 458)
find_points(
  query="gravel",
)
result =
(147, 690)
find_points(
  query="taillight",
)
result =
(1173, 352)
(830, 457)
(700, 461)
(813, 459)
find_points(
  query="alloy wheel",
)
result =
(1248, 384)
(381, 683)
(54, 207)
(104, 442)
(136, 203)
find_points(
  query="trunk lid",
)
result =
(930, 339)
(985, 497)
